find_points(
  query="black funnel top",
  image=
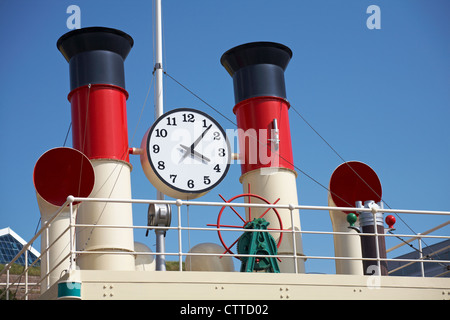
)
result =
(95, 55)
(257, 69)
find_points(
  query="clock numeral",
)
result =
(204, 123)
(161, 165)
(217, 168)
(206, 180)
(221, 152)
(216, 135)
(171, 121)
(188, 117)
(190, 183)
(155, 148)
(173, 177)
(161, 133)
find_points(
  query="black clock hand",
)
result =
(192, 147)
(198, 154)
(199, 138)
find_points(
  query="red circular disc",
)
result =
(62, 172)
(228, 249)
(354, 181)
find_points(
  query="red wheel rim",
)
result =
(218, 225)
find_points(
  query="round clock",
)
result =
(185, 154)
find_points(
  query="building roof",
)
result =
(436, 252)
(11, 244)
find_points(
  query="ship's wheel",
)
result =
(226, 213)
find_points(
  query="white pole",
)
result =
(159, 110)
(158, 69)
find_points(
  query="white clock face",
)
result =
(188, 151)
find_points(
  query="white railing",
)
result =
(420, 246)
(179, 228)
(25, 249)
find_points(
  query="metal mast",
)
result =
(158, 69)
(159, 110)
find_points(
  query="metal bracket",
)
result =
(159, 215)
(358, 230)
(367, 218)
(275, 135)
(156, 67)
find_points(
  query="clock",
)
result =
(185, 154)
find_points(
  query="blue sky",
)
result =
(377, 96)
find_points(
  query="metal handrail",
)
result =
(418, 236)
(179, 203)
(26, 248)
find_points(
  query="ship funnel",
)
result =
(98, 98)
(350, 182)
(264, 135)
(95, 55)
(58, 173)
(257, 69)
(99, 129)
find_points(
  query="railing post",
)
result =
(26, 274)
(47, 259)
(291, 209)
(180, 251)
(422, 270)
(72, 238)
(377, 244)
(7, 283)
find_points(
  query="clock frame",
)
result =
(186, 153)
